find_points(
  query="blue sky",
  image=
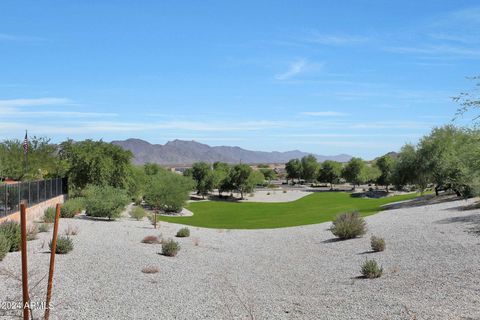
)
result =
(357, 77)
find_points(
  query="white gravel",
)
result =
(431, 271)
(275, 195)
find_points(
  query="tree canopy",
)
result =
(294, 169)
(386, 165)
(330, 171)
(354, 171)
(96, 163)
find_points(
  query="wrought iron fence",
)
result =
(31, 193)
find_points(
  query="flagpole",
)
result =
(25, 152)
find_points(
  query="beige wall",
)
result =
(35, 212)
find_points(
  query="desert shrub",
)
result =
(170, 248)
(43, 227)
(183, 233)
(71, 231)
(151, 240)
(49, 215)
(32, 232)
(370, 269)
(11, 230)
(378, 244)
(105, 201)
(64, 245)
(138, 213)
(348, 225)
(72, 207)
(150, 270)
(4, 246)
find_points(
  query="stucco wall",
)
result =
(35, 212)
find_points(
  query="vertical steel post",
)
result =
(23, 229)
(52, 262)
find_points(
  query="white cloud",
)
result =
(13, 103)
(296, 68)
(336, 40)
(323, 114)
(12, 37)
(438, 50)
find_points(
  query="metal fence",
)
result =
(31, 193)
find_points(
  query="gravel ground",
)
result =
(431, 271)
(275, 195)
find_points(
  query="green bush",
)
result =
(11, 230)
(4, 246)
(64, 245)
(43, 227)
(49, 215)
(183, 233)
(138, 213)
(170, 248)
(105, 201)
(168, 191)
(371, 270)
(72, 207)
(378, 244)
(348, 225)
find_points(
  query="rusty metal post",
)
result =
(23, 229)
(52, 262)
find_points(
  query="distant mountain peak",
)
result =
(187, 152)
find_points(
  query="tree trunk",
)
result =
(436, 190)
(331, 186)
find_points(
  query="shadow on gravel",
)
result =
(471, 218)
(472, 206)
(367, 252)
(421, 201)
(84, 217)
(332, 240)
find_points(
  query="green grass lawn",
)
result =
(314, 208)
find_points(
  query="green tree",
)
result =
(409, 169)
(168, 191)
(294, 169)
(221, 179)
(203, 176)
(257, 178)
(370, 174)
(151, 169)
(309, 168)
(330, 171)
(469, 100)
(268, 174)
(240, 179)
(386, 165)
(43, 161)
(136, 185)
(441, 153)
(96, 163)
(353, 172)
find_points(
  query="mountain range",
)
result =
(181, 152)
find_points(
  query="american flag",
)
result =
(25, 144)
